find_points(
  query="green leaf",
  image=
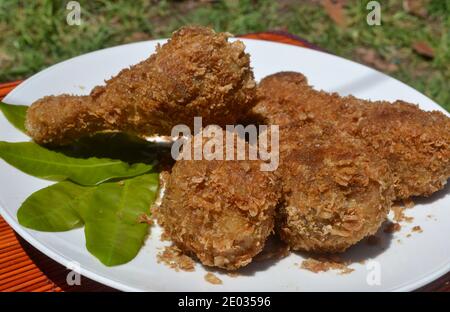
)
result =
(15, 114)
(43, 163)
(112, 213)
(53, 208)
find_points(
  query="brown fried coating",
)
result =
(335, 192)
(277, 95)
(196, 73)
(222, 211)
(415, 143)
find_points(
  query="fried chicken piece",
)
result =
(278, 99)
(222, 211)
(335, 192)
(415, 143)
(196, 73)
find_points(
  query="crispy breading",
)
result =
(277, 95)
(415, 143)
(335, 192)
(197, 73)
(222, 211)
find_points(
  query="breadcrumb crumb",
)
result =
(174, 258)
(212, 279)
(392, 227)
(417, 229)
(323, 264)
(399, 214)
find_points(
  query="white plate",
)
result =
(404, 263)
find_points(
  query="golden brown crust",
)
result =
(221, 211)
(276, 95)
(415, 143)
(335, 192)
(197, 73)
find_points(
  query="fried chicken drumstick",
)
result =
(197, 73)
(415, 143)
(221, 211)
(335, 192)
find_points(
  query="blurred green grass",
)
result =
(35, 33)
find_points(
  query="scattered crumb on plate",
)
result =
(392, 227)
(174, 258)
(212, 279)
(399, 214)
(323, 264)
(417, 229)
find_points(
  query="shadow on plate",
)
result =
(275, 250)
(370, 247)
